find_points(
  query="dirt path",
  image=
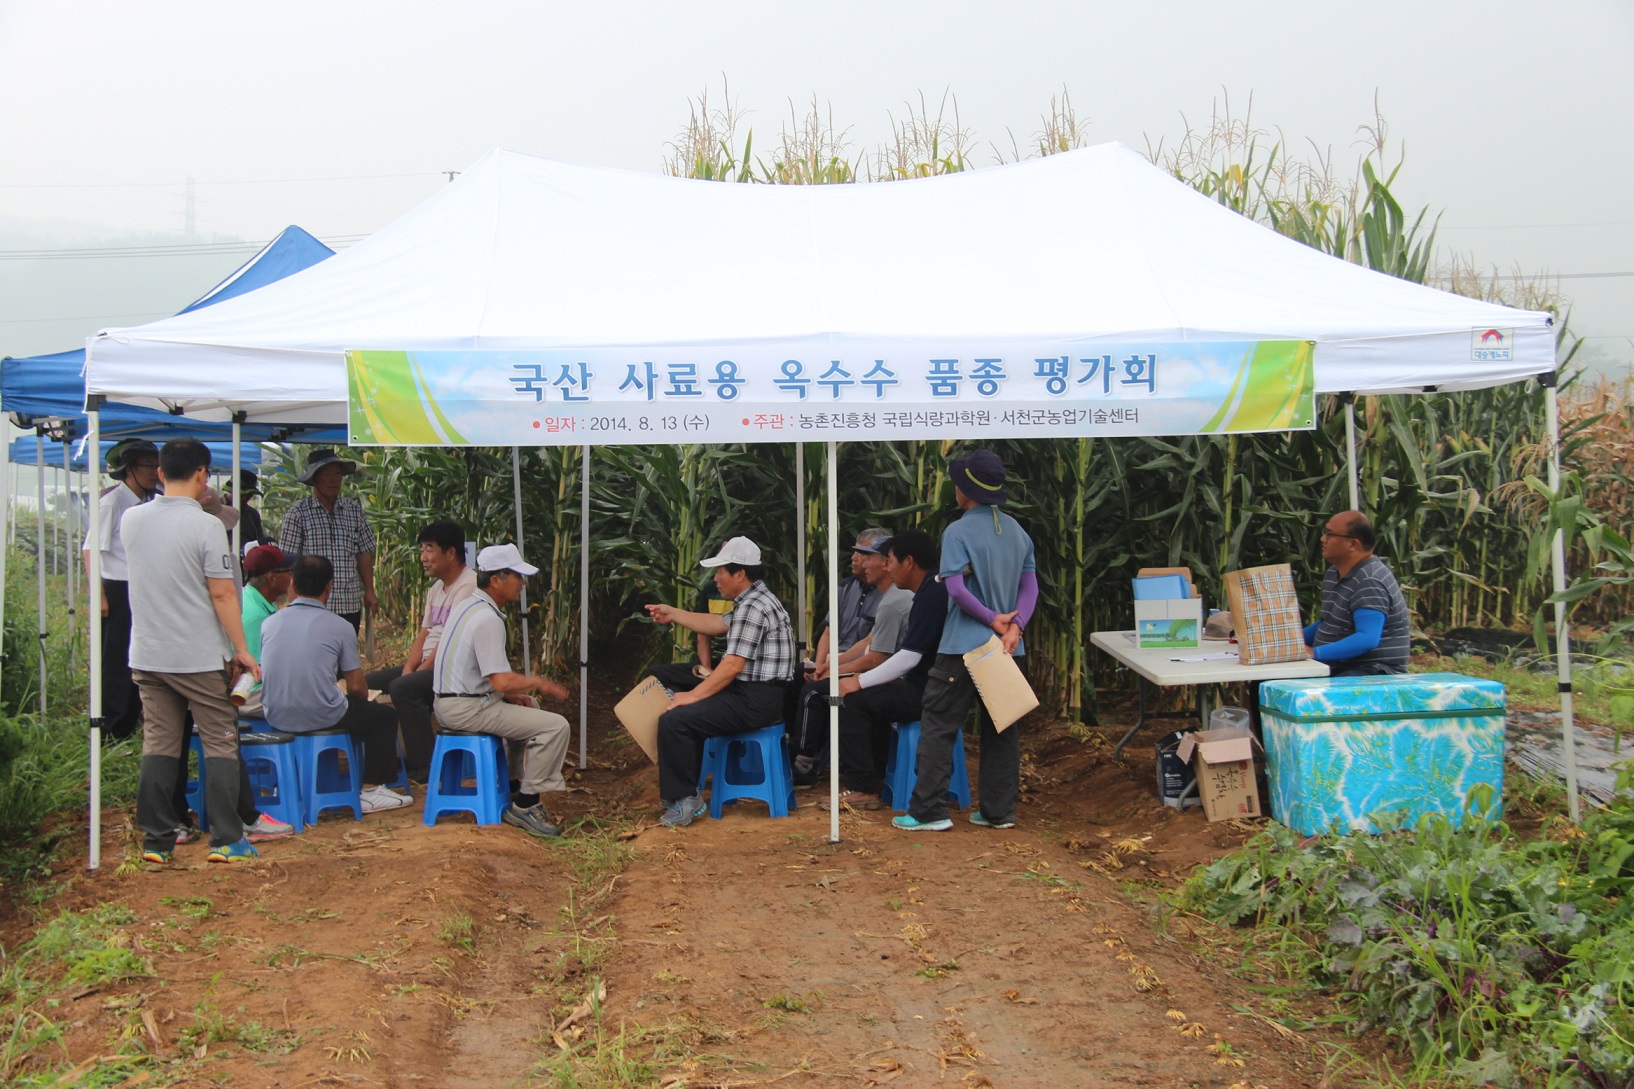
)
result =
(737, 952)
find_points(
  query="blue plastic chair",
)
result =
(477, 757)
(195, 783)
(902, 769)
(323, 784)
(752, 765)
(269, 758)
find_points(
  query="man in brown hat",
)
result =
(328, 524)
(134, 463)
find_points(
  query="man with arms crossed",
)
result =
(477, 692)
(988, 569)
(185, 624)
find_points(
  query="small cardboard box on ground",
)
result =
(1223, 760)
(1162, 625)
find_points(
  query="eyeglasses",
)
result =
(1346, 536)
(145, 465)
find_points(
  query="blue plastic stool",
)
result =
(902, 769)
(323, 785)
(269, 758)
(752, 765)
(458, 757)
(402, 780)
(195, 784)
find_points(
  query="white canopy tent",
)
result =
(1083, 254)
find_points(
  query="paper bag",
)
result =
(1004, 690)
(639, 713)
(1265, 612)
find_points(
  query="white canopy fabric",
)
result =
(1064, 253)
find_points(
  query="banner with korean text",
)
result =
(639, 396)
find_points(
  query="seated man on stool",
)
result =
(894, 690)
(477, 692)
(744, 693)
(1364, 630)
(442, 554)
(303, 647)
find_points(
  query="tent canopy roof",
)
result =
(1086, 247)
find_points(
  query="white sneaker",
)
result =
(378, 799)
(266, 827)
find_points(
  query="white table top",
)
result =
(1159, 667)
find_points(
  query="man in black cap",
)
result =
(328, 524)
(135, 464)
(988, 568)
(251, 531)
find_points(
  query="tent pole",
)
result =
(8, 521)
(39, 547)
(516, 503)
(801, 628)
(584, 607)
(1563, 654)
(1349, 400)
(833, 645)
(93, 595)
(238, 499)
(68, 555)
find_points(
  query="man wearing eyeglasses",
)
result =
(1365, 629)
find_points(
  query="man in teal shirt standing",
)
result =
(988, 569)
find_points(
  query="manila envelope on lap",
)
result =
(639, 713)
(1004, 690)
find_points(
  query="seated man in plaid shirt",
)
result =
(743, 693)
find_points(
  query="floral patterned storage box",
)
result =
(1340, 749)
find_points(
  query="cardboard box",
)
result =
(639, 712)
(1223, 761)
(1166, 625)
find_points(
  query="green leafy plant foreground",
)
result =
(1489, 959)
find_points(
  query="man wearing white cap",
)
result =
(745, 692)
(478, 693)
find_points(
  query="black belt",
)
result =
(463, 695)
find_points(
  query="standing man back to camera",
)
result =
(186, 625)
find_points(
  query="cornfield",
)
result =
(1442, 475)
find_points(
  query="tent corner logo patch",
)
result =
(1491, 345)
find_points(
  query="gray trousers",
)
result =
(166, 699)
(949, 695)
(536, 739)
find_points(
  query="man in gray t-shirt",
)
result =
(1365, 629)
(186, 626)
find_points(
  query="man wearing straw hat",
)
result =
(135, 464)
(988, 568)
(328, 524)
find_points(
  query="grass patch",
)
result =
(212, 1027)
(459, 931)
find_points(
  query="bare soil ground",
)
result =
(738, 952)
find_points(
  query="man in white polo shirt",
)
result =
(134, 463)
(478, 693)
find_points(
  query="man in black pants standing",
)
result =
(135, 464)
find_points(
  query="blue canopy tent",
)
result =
(25, 451)
(47, 393)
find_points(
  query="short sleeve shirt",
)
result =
(440, 601)
(759, 632)
(926, 620)
(303, 647)
(473, 648)
(1370, 585)
(172, 547)
(858, 604)
(891, 620)
(340, 536)
(710, 601)
(991, 550)
(256, 610)
(114, 503)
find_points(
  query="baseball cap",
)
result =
(504, 557)
(739, 550)
(265, 559)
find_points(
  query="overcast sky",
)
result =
(1515, 117)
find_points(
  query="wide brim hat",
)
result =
(980, 475)
(248, 482)
(317, 459)
(123, 455)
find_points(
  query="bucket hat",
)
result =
(317, 459)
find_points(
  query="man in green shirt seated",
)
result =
(267, 569)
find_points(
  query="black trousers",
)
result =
(866, 735)
(737, 709)
(411, 696)
(949, 695)
(121, 703)
(675, 676)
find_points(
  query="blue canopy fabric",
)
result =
(24, 451)
(49, 390)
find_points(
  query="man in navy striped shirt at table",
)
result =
(1364, 630)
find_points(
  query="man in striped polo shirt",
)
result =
(1364, 630)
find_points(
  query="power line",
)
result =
(1536, 226)
(84, 317)
(241, 181)
(184, 249)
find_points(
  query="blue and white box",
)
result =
(1340, 749)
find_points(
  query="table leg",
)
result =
(1140, 720)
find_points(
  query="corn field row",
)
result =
(1442, 475)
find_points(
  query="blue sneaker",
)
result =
(908, 824)
(242, 851)
(684, 812)
(981, 821)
